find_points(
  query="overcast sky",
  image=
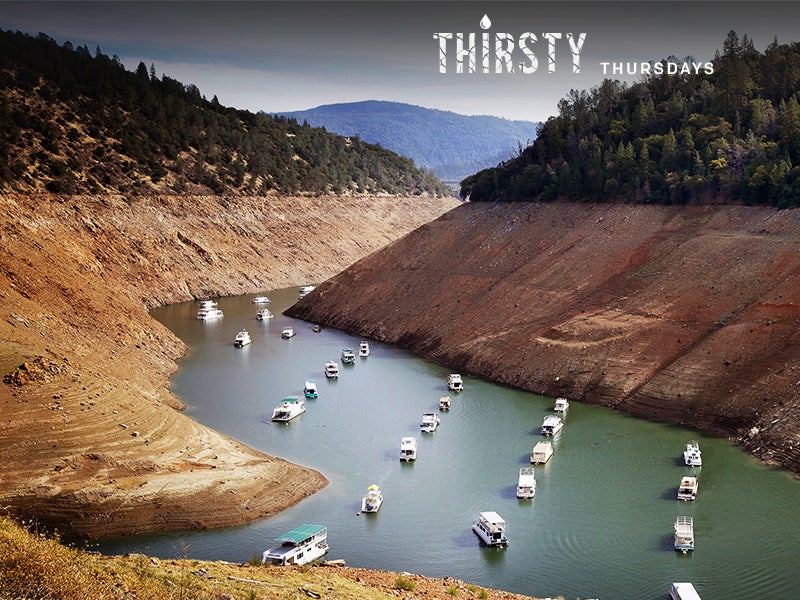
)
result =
(282, 56)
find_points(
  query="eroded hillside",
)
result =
(687, 315)
(90, 440)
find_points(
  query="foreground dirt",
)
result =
(90, 438)
(686, 315)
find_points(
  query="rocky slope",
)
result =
(90, 440)
(687, 315)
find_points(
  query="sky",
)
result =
(282, 56)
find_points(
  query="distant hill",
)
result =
(75, 121)
(451, 145)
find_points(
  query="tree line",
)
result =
(77, 121)
(729, 136)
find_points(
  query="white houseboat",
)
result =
(444, 403)
(552, 425)
(408, 448)
(310, 390)
(684, 534)
(687, 490)
(562, 405)
(264, 314)
(242, 339)
(206, 304)
(287, 333)
(299, 546)
(363, 349)
(526, 483)
(209, 314)
(261, 300)
(542, 452)
(288, 409)
(491, 528)
(306, 290)
(429, 423)
(692, 455)
(373, 500)
(683, 591)
(454, 382)
(332, 369)
(348, 356)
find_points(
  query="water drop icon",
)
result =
(485, 22)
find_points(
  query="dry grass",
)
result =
(36, 567)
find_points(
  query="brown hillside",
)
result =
(687, 315)
(90, 440)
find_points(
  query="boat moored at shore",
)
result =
(261, 300)
(562, 405)
(491, 528)
(348, 356)
(363, 349)
(298, 546)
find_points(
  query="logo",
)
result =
(504, 53)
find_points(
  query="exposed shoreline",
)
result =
(90, 438)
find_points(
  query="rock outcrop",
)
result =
(688, 315)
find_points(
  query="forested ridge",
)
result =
(730, 136)
(76, 121)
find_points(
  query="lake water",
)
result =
(599, 527)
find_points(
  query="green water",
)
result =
(599, 527)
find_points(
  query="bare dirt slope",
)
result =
(688, 315)
(90, 440)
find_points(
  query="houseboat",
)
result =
(542, 452)
(552, 425)
(373, 500)
(288, 409)
(299, 546)
(242, 339)
(692, 455)
(310, 390)
(363, 349)
(206, 304)
(306, 290)
(332, 369)
(444, 403)
(687, 490)
(683, 591)
(287, 333)
(684, 534)
(562, 405)
(209, 314)
(526, 483)
(348, 356)
(429, 423)
(264, 314)
(261, 300)
(408, 448)
(454, 382)
(491, 528)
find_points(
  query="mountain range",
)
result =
(447, 143)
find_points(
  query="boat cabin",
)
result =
(491, 528)
(542, 452)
